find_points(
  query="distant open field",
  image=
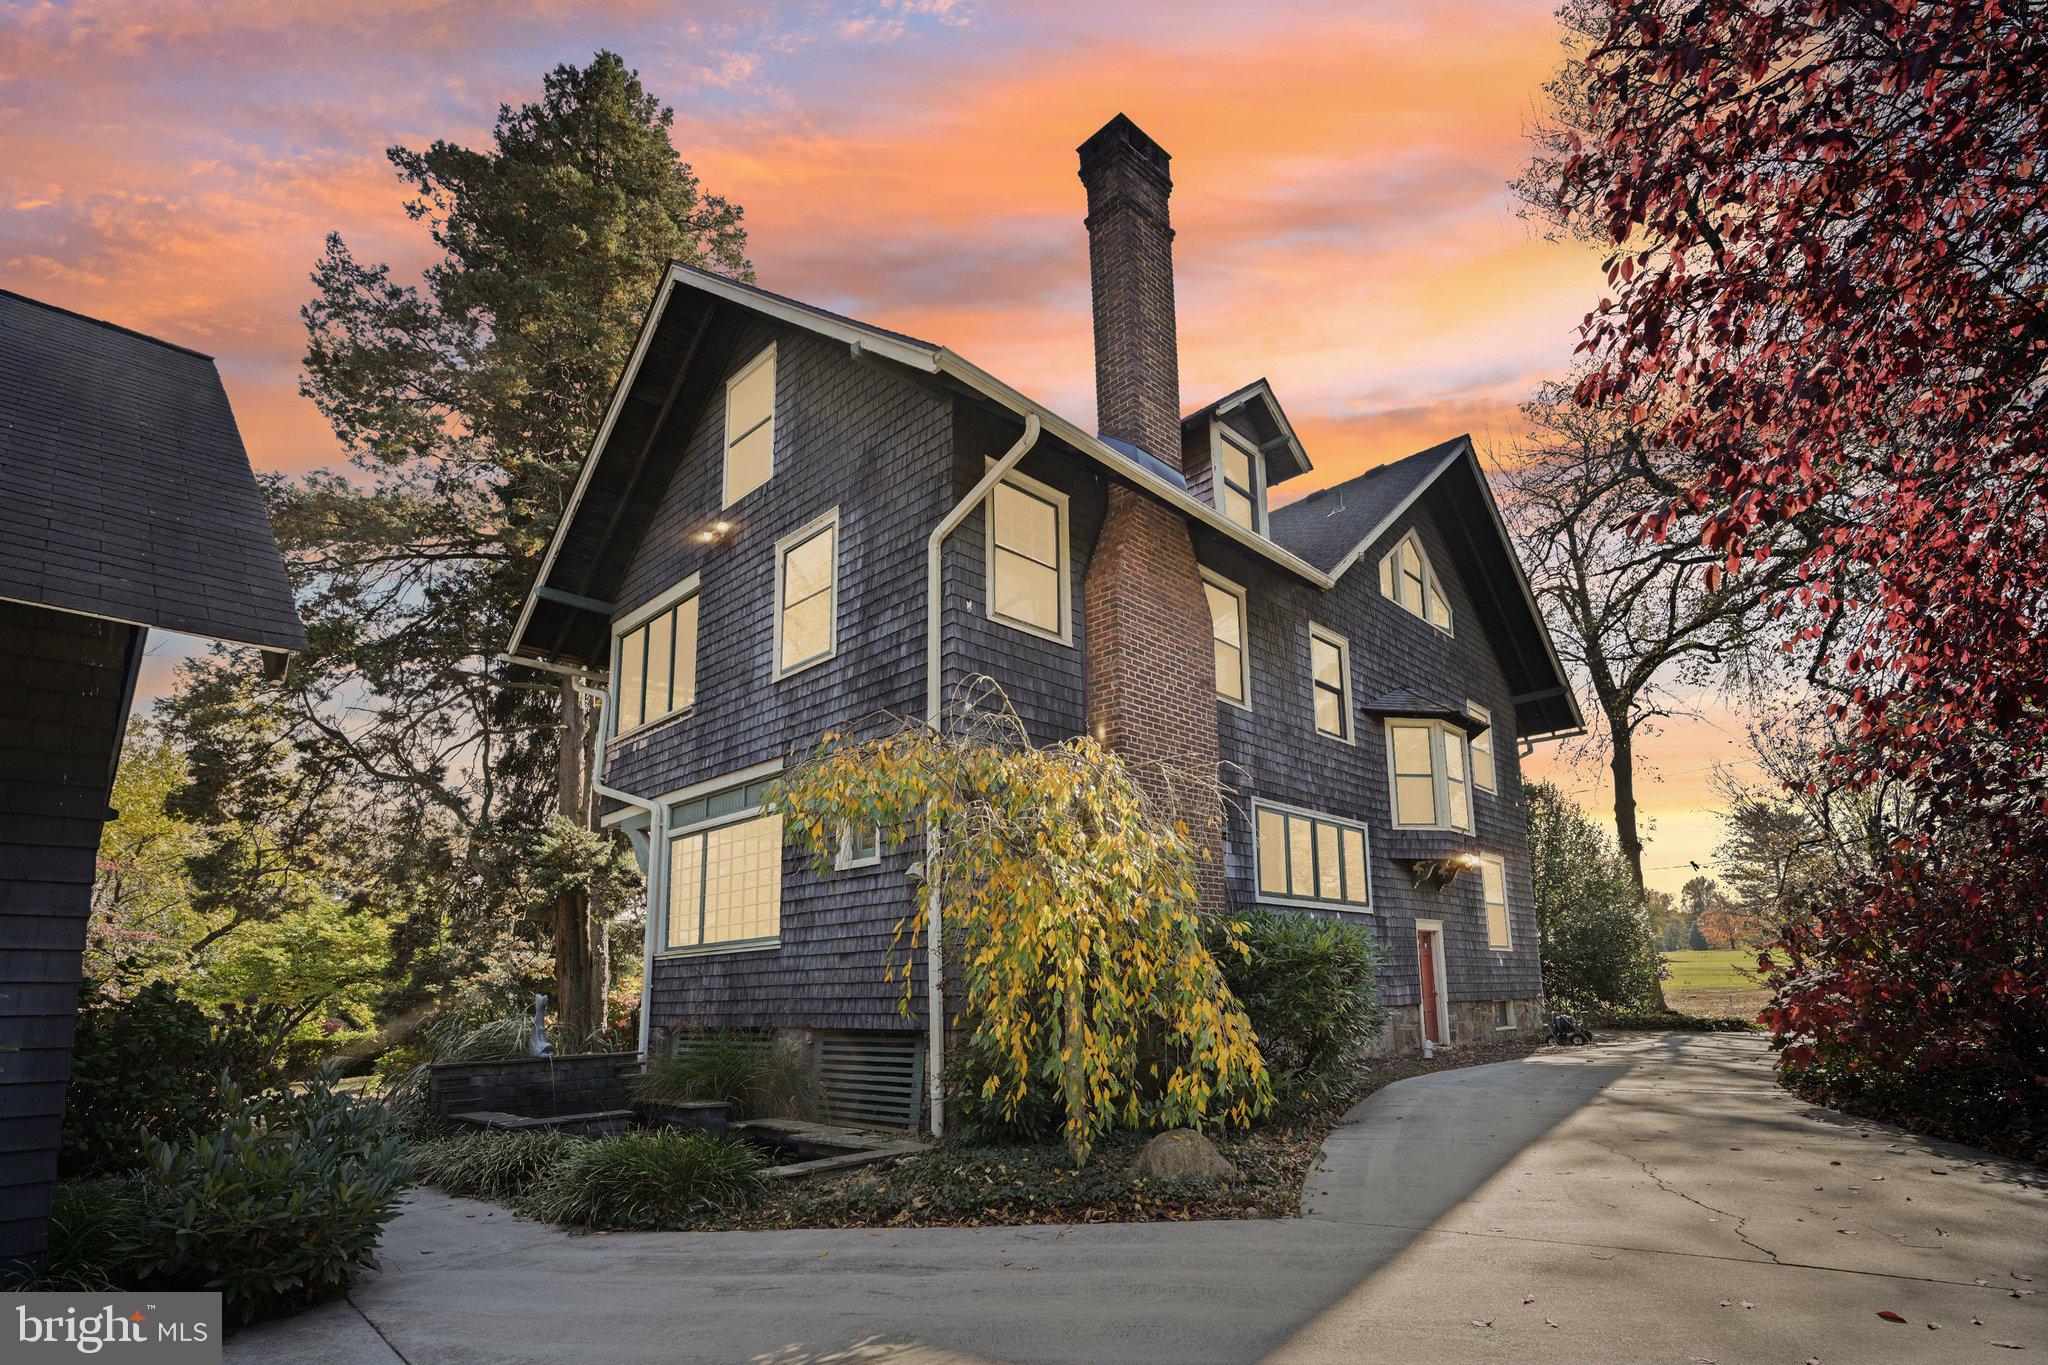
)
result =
(1716, 981)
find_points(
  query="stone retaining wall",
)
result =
(1472, 1021)
(532, 1086)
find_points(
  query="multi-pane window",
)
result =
(1027, 557)
(1227, 636)
(1237, 489)
(725, 883)
(1493, 893)
(1408, 579)
(1429, 768)
(1310, 858)
(656, 671)
(1329, 668)
(750, 426)
(807, 595)
(1482, 749)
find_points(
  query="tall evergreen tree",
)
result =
(466, 403)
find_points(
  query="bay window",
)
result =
(1429, 770)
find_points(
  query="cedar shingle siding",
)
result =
(64, 684)
(893, 457)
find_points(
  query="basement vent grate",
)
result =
(873, 1079)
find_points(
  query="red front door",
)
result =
(1425, 952)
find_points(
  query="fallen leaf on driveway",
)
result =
(1937, 1170)
(1889, 1316)
(2017, 1276)
(1747, 1304)
(2009, 1345)
(1550, 1322)
(1725, 1303)
(1603, 1255)
(1528, 1298)
(1477, 1323)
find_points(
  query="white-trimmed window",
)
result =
(807, 595)
(859, 846)
(1408, 579)
(724, 872)
(750, 426)
(1428, 766)
(1493, 894)
(1482, 749)
(1304, 858)
(1240, 490)
(654, 659)
(1329, 680)
(1028, 562)
(1228, 631)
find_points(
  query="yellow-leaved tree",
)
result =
(1070, 917)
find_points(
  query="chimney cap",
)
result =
(1120, 135)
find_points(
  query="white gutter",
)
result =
(935, 974)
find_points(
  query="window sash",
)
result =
(1409, 580)
(1027, 558)
(750, 427)
(1482, 750)
(807, 597)
(1493, 894)
(725, 884)
(1313, 859)
(1442, 786)
(1329, 683)
(859, 846)
(656, 674)
(1227, 629)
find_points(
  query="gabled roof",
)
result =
(1331, 526)
(125, 493)
(1255, 414)
(1336, 527)
(565, 619)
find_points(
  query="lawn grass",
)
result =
(1713, 981)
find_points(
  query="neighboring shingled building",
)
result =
(126, 503)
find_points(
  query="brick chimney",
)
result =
(1151, 672)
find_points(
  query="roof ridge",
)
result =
(102, 322)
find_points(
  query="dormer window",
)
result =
(1408, 579)
(1240, 479)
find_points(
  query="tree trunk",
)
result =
(582, 940)
(1075, 1075)
(1622, 764)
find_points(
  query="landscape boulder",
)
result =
(1181, 1154)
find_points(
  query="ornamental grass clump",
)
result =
(491, 1165)
(1071, 916)
(649, 1181)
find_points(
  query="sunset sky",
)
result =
(1341, 170)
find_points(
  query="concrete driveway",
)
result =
(1646, 1199)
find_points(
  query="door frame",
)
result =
(1435, 929)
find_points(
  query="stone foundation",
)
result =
(1472, 1021)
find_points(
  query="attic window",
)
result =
(1408, 579)
(1239, 487)
(750, 426)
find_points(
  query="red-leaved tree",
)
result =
(1829, 296)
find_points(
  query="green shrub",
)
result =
(279, 1207)
(491, 1165)
(89, 1220)
(146, 1062)
(1310, 985)
(649, 1180)
(972, 1115)
(758, 1076)
(1596, 946)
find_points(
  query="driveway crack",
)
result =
(1741, 1220)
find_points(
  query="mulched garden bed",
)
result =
(964, 1185)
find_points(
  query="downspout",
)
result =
(650, 850)
(935, 975)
